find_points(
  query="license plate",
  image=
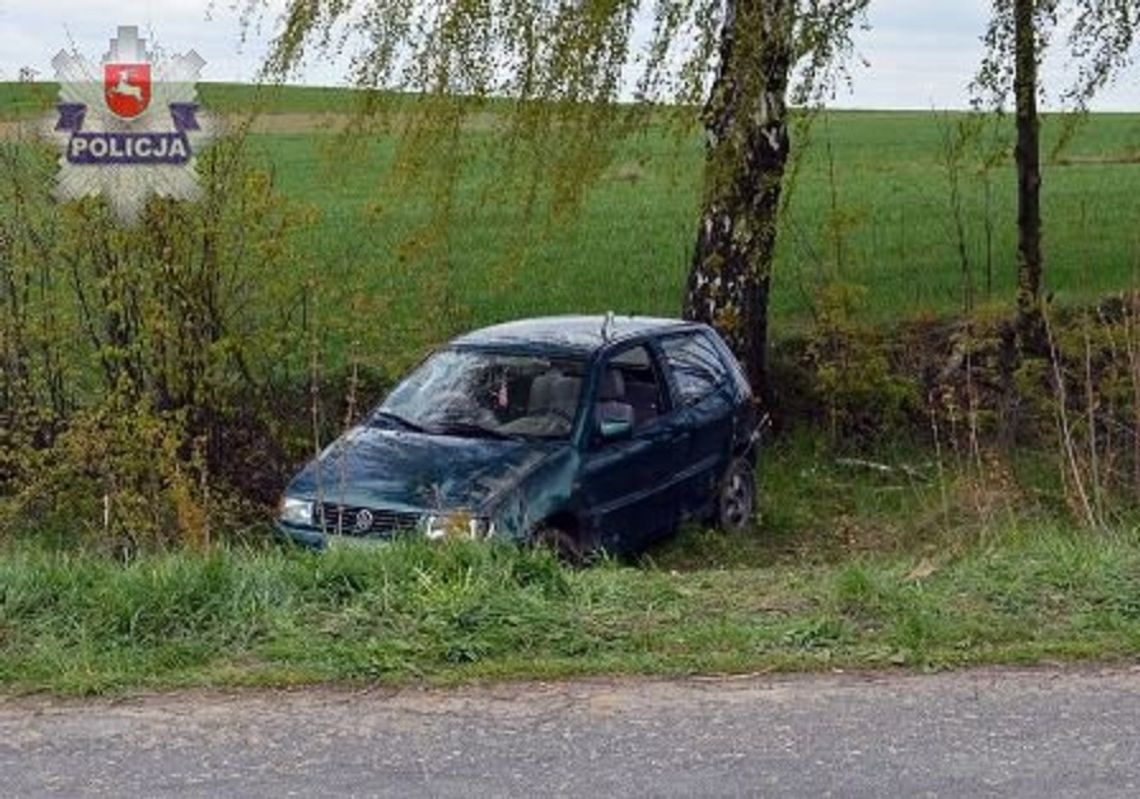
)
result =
(334, 541)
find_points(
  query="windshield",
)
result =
(487, 394)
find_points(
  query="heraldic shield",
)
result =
(126, 88)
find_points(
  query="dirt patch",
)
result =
(532, 697)
(283, 123)
(15, 129)
(11, 130)
(297, 122)
(1111, 159)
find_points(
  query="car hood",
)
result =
(374, 467)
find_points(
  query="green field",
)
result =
(628, 250)
(871, 206)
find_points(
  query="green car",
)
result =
(583, 433)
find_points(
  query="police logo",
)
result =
(133, 135)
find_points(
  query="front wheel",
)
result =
(562, 543)
(736, 499)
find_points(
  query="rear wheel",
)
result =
(736, 498)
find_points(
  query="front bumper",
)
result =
(457, 525)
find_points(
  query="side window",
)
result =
(630, 389)
(696, 365)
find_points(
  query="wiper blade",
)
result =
(398, 419)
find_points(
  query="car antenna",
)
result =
(606, 325)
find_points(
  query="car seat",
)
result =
(611, 404)
(554, 392)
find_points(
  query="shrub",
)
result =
(133, 359)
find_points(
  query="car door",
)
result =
(705, 395)
(625, 480)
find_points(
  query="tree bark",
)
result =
(1028, 157)
(746, 157)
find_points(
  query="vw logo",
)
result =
(363, 520)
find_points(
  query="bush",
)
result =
(139, 365)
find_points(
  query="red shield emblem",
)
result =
(126, 88)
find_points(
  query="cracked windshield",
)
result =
(484, 394)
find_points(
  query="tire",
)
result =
(736, 497)
(563, 544)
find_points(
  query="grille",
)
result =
(349, 522)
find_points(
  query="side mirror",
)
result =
(615, 429)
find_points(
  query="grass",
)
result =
(869, 207)
(444, 614)
(628, 249)
(890, 569)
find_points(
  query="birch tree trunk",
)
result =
(746, 157)
(1028, 157)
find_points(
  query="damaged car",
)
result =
(579, 433)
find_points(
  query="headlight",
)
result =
(457, 525)
(296, 511)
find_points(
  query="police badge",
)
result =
(135, 133)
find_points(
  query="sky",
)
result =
(920, 54)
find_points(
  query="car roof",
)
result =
(579, 335)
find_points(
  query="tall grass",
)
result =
(444, 613)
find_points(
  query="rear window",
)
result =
(696, 365)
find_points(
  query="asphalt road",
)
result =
(983, 733)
